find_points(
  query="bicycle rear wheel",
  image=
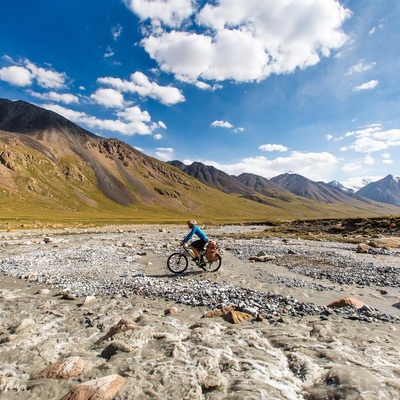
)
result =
(212, 266)
(177, 263)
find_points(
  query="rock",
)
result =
(392, 242)
(68, 295)
(105, 388)
(218, 312)
(32, 276)
(25, 325)
(236, 317)
(363, 248)
(43, 292)
(88, 300)
(347, 302)
(47, 239)
(171, 311)
(114, 347)
(70, 367)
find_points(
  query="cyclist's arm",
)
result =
(189, 235)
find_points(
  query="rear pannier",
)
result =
(211, 251)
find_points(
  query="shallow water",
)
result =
(184, 356)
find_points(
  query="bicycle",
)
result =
(178, 262)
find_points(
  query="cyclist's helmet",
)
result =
(192, 223)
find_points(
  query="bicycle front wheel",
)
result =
(212, 266)
(177, 263)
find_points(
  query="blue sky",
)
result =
(259, 86)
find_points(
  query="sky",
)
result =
(259, 86)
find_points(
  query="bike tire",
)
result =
(177, 263)
(212, 266)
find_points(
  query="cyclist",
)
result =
(199, 244)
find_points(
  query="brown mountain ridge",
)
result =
(51, 169)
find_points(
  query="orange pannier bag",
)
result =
(211, 251)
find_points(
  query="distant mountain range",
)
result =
(52, 169)
(386, 190)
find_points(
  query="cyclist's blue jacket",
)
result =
(198, 232)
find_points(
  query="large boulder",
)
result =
(347, 302)
(70, 367)
(105, 388)
(391, 242)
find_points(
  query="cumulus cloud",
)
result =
(29, 73)
(239, 40)
(366, 86)
(18, 76)
(47, 78)
(164, 153)
(131, 121)
(373, 138)
(65, 98)
(108, 98)
(369, 160)
(221, 124)
(157, 136)
(315, 166)
(171, 12)
(140, 84)
(226, 125)
(357, 183)
(273, 147)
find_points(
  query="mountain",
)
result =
(386, 190)
(213, 177)
(337, 185)
(53, 170)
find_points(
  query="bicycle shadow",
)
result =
(174, 276)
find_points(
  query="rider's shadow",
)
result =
(174, 276)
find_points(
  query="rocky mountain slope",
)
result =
(386, 190)
(52, 169)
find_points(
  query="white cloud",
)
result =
(130, 122)
(140, 84)
(357, 183)
(116, 31)
(65, 98)
(169, 12)
(108, 98)
(157, 136)
(360, 67)
(240, 40)
(373, 138)
(164, 153)
(331, 138)
(385, 155)
(238, 130)
(109, 53)
(366, 86)
(273, 147)
(29, 73)
(369, 160)
(352, 166)
(315, 166)
(387, 161)
(162, 125)
(46, 78)
(18, 76)
(221, 124)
